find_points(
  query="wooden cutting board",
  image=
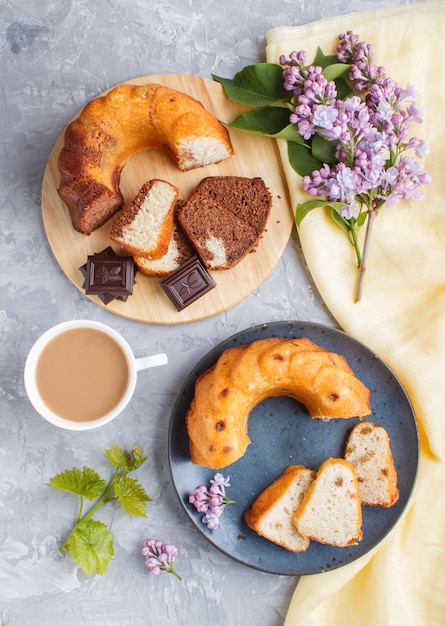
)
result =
(254, 156)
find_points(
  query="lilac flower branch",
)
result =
(370, 134)
(346, 124)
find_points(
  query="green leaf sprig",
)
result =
(90, 542)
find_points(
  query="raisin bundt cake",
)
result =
(368, 449)
(245, 375)
(114, 127)
(271, 515)
(331, 511)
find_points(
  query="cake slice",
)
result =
(331, 511)
(220, 238)
(248, 198)
(271, 513)
(179, 251)
(145, 226)
(368, 449)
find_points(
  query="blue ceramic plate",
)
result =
(282, 434)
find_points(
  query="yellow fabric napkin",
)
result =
(401, 317)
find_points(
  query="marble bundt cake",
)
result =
(114, 127)
(145, 226)
(271, 515)
(179, 251)
(225, 218)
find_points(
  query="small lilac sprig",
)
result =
(159, 557)
(212, 500)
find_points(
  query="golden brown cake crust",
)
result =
(331, 511)
(152, 237)
(243, 376)
(368, 449)
(114, 127)
(179, 251)
(271, 513)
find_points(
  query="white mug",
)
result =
(133, 366)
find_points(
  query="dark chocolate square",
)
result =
(109, 276)
(187, 283)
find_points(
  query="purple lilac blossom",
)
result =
(211, 500)
(351, 49)
(371, 134)
(159, 557)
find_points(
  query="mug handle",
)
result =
(154, 360)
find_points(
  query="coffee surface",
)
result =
(82, 374)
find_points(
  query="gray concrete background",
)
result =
(55, 55)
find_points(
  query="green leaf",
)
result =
(332, 67)
(323, 150)
(301, 158)
(291, 134)
(361, 219)
(86, 482)
(343, 89)
(132, 496)
(266, 121)
(91, 546)
(333, 70)
(322, 59)
(256, 85)
(119, 458)
(271, 122)
(336, 70)
(306, 207)
(341, 221)
(124, 460)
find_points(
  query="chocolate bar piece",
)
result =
(187, 283)
(109, 276)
